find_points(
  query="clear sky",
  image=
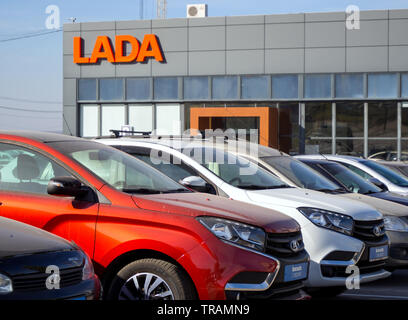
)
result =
(31, 68)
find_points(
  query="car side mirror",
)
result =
(378, 183)
(66, 187)
(198, 184)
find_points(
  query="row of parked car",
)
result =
(188, 218)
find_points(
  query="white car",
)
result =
(334, 230)
(371, 170)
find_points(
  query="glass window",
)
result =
(349, 119)
(351, 180)
(166, 88)
(318, 126)
(289, 127)
(138, 89)
(299, 173)
(196, 88)
(358, 171)
(254, 87)
(235, 170)
(122, 171)
(377, 147)
(225, 87)
(382, 85)
(176, 170)
(350, 147)
(349, 86)
(350, 124)
(113, 118)
(89, 120)
(404, 85)
(389, 174)
(111, 89)
(382, 119)
(141, 117)
(317, 86)
(168, 119)
(285, 87)
(87, 89)
(404, 120)
(25, 170)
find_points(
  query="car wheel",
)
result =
(326, 292)
(151, 279)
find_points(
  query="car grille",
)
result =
(372, 231)
(37, 281)
(279, 244)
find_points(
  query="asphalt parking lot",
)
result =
(393, 288)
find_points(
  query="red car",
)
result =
(148, 236)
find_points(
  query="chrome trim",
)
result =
(355, 260)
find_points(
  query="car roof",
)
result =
(317, 161)
(394, 163)
(39, 136)
(331, 157)
(177, 143)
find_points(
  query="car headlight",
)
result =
(330, 220)
(393, 223)
(6, 285)
(88, 270)
(235, 232)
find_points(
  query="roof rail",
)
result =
(117, 133)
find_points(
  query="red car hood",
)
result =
(199, 204)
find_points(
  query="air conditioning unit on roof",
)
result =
(197, 10)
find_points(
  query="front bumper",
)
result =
(398, 249)
(222, 271)
(85, 290)
(324, 272)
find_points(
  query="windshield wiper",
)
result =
(142, 190)
(179, 190)
(153, 191)
(338, 190)
(371, 192)
(257, 187)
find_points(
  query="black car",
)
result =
(37, 265)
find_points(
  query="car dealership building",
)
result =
(307, 82)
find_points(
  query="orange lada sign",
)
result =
(149, 48)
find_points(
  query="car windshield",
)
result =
(301, 174)
(118, 169)
(235, 170)
(387, 173)
(350, 179)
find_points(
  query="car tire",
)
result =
(138, 281)
(326, 292)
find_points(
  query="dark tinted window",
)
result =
(387, 173)
(350, 179)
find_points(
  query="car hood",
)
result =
(394, 197)
(17, 239)
(383, 206)
(200, 204)
(295, 198)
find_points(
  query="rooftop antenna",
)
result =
(161, 9)
(141, 9)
